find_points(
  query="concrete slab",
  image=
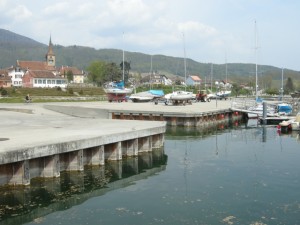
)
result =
(26, 128)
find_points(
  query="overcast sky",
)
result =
(208, 31)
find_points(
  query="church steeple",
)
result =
(50, 56)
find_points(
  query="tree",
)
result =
(113, 72)
(289, 86)
(236, 89)
(70, 76)
(127, 68)
(97, 72)
(100, 72)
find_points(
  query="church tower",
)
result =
(50, 57)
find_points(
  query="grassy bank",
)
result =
(17, 95)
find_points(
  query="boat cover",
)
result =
(157, 92)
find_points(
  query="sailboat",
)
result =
(278, 109)
(147, 96)
(180, 97)
(116, 91)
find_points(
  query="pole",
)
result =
(256, 94)
(123, 62)
(184, 53)
(282, 84)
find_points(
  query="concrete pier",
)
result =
(38, 142)
(41, 140)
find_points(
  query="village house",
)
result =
(42, 79)
(156, 79)
(77, 75)
(5, 80)
(193, 80)
(37, 74)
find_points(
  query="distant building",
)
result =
(43, 79)
(5, 80)
(193, 80)
(156, 79)
(78, 75)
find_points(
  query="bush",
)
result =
(3, 92)
(70, 91)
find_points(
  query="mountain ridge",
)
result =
(17, 47)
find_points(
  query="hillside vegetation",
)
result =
(16, 47)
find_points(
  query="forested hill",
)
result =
(16, 47)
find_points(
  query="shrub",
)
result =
(70, 91)
(3, 92)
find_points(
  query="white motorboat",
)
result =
(147, 96)
(257, 111)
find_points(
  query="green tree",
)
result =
(97, 72)
(70, 76)
(289, 86)
(113, 72)
(127, 68)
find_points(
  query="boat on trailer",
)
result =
(179, 98)
(116, 91)
(147, 96)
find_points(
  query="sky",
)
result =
(266, 32)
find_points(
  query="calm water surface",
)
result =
(244, 175)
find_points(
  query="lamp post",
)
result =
(217, 88)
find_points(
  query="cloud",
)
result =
(19, 13)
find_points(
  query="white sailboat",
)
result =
(116, 91)
(180, 97)
(147, 96)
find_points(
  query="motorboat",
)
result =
(290, 125)
(257, 111)
(284, 109)
(147, 96)
(116, 91)
(179, 97)
(223, 94)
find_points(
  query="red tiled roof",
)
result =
(3, 72)
(64, 70)
(34, 65)
(195, 78)
(40, 74)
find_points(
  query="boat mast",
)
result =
(211, 75)
(281, 84)
(255, 48)
(184, 53)
(151, 72)
(123, 62)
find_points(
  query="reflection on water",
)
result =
(19, 205)
(233, 175)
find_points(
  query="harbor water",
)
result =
(242, 174)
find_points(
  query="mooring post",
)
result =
(264, 113)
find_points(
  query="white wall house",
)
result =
(193, 80)
(16, 75)
(43, 79)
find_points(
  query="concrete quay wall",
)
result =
(41, 143)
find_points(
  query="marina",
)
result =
(67, 136)
(238, 174)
